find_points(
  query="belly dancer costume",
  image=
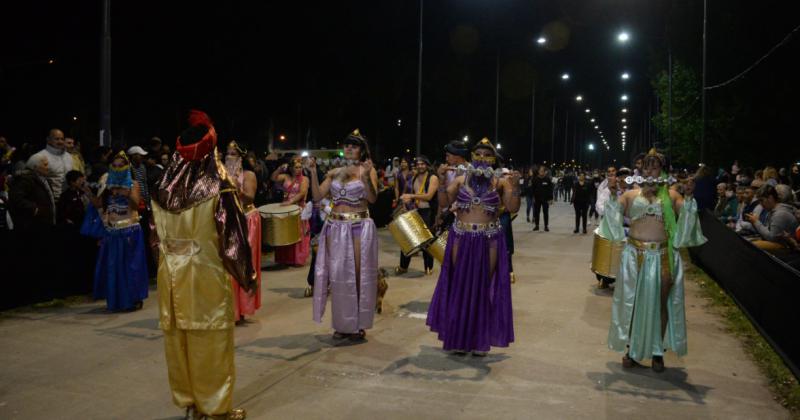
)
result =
(246, 303)
(295, 254)
(203, 240)
(352, 305)
(120, 275)
(471, 307)
(636, 307)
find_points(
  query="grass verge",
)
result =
(783, 384)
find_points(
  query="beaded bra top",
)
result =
(348, 194)
(489, 200)
(642, 207)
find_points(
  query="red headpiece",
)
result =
(203, 147)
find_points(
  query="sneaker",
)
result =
(546, 229)
(536, 228)
(575, 231)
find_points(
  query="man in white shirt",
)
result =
(58, 160)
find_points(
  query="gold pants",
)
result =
(201, 369)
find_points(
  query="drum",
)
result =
(606, 256)
(280, 225)
(436, 248)
(410, 231)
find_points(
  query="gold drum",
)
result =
(410, 232)
(606, 256)
(280, 225)
(436, 248)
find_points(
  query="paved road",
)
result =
(82, 363)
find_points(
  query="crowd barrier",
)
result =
(763, 286)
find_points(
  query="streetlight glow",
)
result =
(624, 110)
(499, 146)
(541, 41)
(624, 120)
(399, 122)
(596, 127)
(591, 120)
(282, 137)
(591, 146)
(626, 76)
(466, 139)
(623, 37)
(565, 76)
(579, 98)
(74, 118)
(624, 97)
(588, 110)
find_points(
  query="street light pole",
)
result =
(703, 112)
(419, 85)
(105, 77)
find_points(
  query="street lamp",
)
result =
(499, 146)
(624, 98)
(565, 76)
(592, 120)
(623, 37)
(282, 137)
(466, 139)
(588, 110)
(74, 118)
(399, 122)
(591, 146)
(626, 76)
(579, 98)
(624, 120)
(624, 110)
(541, 41)
(596, 127)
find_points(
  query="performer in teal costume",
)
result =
(647, 313)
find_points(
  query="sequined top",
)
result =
(292, 188)
(642, 207)
(489, 201)
(349, 194)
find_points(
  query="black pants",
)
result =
(545, 207)
(427, 258)
(580, 214)
(593, 212)
(529, 207)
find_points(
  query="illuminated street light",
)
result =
(625, 127)
(624, 97)
(588, 110)
(541, 41)
(51, 61)
(466, 139)
(592, 120)
(579, 98)
(626, 76)
(499, 146)
(623, 37)
(281, 137)
(624, 120)
(624, 110)
(591, 146)
(399, 122)
(596, 127)
(565, 76)
(74, 118)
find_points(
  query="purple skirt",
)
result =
(469, 310)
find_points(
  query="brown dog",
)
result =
(382, 287)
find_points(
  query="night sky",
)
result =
(316, 72)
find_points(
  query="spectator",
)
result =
(139, 171)
(770, 176)
(780, 217)
(581, 194)
(726, 207)
(73, 201)
(795, 179)
(59, 162)
(155, 147)
(31, 199)
(74, 149)
(528, 191)
(704, 192)
(542, 197)
(735, 168)
(154, 170)
(751, 204)
(164, 161)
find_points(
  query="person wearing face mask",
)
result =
(121, 271)
(241, 173)
(295, 186)
(648, 314)
(471, 306)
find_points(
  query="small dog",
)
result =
(382, 287)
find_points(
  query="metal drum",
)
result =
(606, 256)
(280, 225)
(410, 231)
(436, 248)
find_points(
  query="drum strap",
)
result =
(424, 186)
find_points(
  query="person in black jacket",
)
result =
(528, 191)
(31, 199)
(542, 197)
(581, 194)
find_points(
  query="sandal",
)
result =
(658, 364)
(308, 292)
(628, 363)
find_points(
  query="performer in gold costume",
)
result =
(202, 238)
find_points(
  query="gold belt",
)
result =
(358, 215)
(476, 227)
(122, 224)
(652, 246)
(248, 208)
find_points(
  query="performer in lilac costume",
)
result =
(347, 258)
(471, 306)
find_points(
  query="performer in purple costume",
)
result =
(471, 306)
(347, 258)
